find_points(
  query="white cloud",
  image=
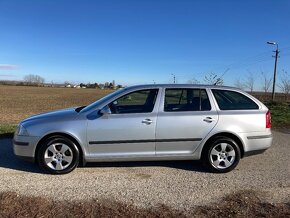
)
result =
(8, 67)
(7, 75)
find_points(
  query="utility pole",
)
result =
(275, 68)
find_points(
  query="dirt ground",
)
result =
(19, 102)
(242, 204)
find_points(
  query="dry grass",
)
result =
(242, 204)
(267, 97)
(19, 102)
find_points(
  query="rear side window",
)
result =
(230, 100)
(186, 100)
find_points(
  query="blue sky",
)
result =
(141, 41)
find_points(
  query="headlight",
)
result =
(21, 131)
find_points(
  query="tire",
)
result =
(222, 155)
(58, 155)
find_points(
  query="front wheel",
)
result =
(58, 155)
(222, 155)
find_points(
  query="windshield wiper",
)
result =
(78, 109)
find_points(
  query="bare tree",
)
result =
(66, 83)
(284, 84)
(193, 81)
(28, 78)
(33, 79)
(250, 82)
(213, 79)
(239, 84)
(266, 82)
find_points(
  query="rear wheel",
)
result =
(58, 155)
(222, 155)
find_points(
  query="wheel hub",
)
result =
(58, 156)
(223, 155)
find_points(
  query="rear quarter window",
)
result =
(231, 100)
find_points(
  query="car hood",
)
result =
(63, 114)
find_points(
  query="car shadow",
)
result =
(6, 135)
(10, 161)
(188, 165)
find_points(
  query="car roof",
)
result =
(182, 86)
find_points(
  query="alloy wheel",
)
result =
(58, 156)
(222, 156)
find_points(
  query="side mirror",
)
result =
(105, 110)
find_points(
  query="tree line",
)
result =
(36, 80)
(251, 81)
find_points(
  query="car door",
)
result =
(128, 127)
(185, 117)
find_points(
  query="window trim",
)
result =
(137, 90)
(236, 91)
(187, 88)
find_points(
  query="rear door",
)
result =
(186, 116)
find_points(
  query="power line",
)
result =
(287, 54)
(251, 60)
(247, 61)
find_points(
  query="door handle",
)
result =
(208, 119)
(147, 121)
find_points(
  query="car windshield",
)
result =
(101, 100)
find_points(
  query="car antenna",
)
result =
(218, 79)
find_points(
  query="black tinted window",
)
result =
(230, 100)
(186, 100)
(135, 102)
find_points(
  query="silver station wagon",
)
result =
(219, 125)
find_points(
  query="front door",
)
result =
(184, 119)
(128, 129)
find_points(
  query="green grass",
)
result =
(280, 114)
(7, 128)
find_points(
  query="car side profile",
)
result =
(216, 124)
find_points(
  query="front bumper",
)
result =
(25, 146)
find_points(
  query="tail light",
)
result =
(268, 119)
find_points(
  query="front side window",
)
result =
(231, 100)
(142, 101)
(186, 100)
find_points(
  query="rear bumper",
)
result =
(257, 142)
(255, 152)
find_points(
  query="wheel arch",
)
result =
(224, 134)
(66, 135)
